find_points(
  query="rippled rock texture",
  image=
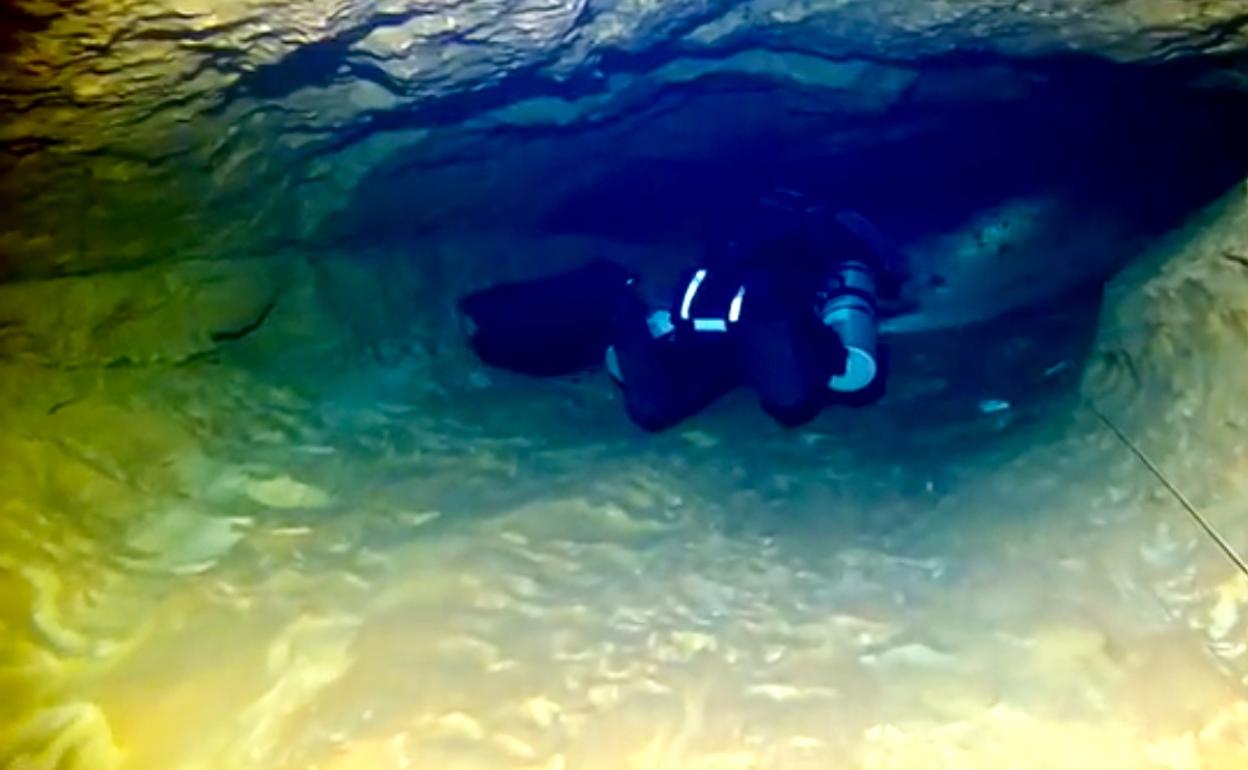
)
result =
(1171, 348)
(340, 566)
(140, 130)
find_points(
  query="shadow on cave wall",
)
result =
(1151, 160)
(1127, 143)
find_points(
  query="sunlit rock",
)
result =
(184, 542)
(75, 734)
(285, 492)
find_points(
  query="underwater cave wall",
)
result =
(1169, 370)
(163, 130)
(1171, 361)
(221, 188)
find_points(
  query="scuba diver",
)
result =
(794, 316)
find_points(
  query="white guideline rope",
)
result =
(1196, 515)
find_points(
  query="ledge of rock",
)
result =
(1170, 357)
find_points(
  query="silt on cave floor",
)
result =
(263, 570)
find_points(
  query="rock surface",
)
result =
(209, 569)
(1170, 356)
(139, 130)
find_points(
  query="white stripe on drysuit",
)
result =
(690, 292)
(734, 310)
(709, 324)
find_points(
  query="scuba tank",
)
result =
(849, 308)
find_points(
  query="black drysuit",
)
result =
(750, 318)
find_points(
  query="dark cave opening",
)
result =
(1114, 145)
(695, 157)
(1015, 190)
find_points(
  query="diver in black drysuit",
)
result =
(794, 317)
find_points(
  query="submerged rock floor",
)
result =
(202, 567)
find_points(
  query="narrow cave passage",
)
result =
(299, 525)
(1012, 190)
